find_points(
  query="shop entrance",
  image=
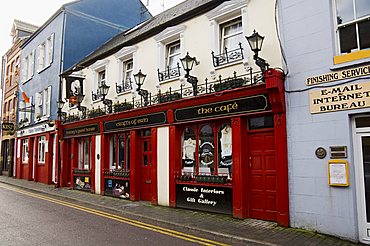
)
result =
(146, 165)
(262, 175)
(362, 172)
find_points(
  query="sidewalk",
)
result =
(236, 231)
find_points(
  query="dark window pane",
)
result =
(206, 149)
(121, 157)
(344, 11)
(362, 8)
(128, 153)
(363, 122)
(347, 37)
(146, 133)
(261, 122)
(364, 32)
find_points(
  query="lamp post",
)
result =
(60, 105)
(187, 64)
(255, 42)
(104, 88)
(139, 80)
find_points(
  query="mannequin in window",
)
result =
(226, 149)
(188, 152)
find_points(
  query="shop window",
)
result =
(120, 152)
(25, 151)
(207, 150)
(84, 154)
(41, 149)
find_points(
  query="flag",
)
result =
(25, 97)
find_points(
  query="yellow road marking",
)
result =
(162, 230)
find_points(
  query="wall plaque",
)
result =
(135, 122)
(338, 98)
(81, 131)
(6, 126)
(236, 106)
(338, 173)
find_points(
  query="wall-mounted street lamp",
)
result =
(60, 105)
(139, 80)
(255, 42)
(104, 88)
(187, 64)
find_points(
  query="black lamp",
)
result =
(139, 80)
(104, 88)
(255, 42)
(187, 64)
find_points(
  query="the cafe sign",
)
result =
(81, 131)
(224, 108)
(6, 126)
(135, 122)
(337, 98)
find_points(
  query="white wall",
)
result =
(97, 164)
(163, 166)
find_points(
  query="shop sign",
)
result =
(339, 75)
(117, 188)
(35, 130)
(135, 122)
(345, 97)
(205, 198)
(81, 131)
(6, 126)
(82, 183)
(237, 106)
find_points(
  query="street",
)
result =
(32, 219)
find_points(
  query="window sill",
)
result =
(229, 64)
(44, 68)
(353, 58)
(23, 82)
(169, 80)
(124, 93)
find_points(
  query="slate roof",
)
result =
(173, 16)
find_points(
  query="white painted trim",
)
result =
(53, 167)
(163, 174)
(97, 164)
(125, 53)
(226, 9)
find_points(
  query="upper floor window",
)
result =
(45, 53)
(231, 34)
(173, 54)
(10, 110)
(353, 25)
(101, 78)
(28, 66)
(12, 70)
(100, 69)
(42, 104)
(127, 69)
(228, 28)
(170, 44)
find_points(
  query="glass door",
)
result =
(362, 167)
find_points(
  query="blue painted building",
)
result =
(73, 32)
(327, 46)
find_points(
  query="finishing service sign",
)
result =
(337, 98)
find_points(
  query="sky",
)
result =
(37, 12)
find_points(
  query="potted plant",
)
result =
(118, 107)
(228, 84)
(96, 113)
(168, 97)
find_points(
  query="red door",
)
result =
(262, 175)
(146, 168)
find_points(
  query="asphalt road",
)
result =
(32, 219)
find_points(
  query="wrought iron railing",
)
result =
(228, 56)
(185, 91)
(169, 73)
(95, 96)
(124, 87)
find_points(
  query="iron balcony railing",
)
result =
(185, 91)
(169, 73)
(125, 86)
(228, 56)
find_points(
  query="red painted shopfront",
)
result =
(227, 152)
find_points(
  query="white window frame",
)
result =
(25, 151)
(98, 67)
(38, 106)
(354, 21)
(167, 37)
(41, 149)
(45, 53)
(224, 36)
(169, 55)
(28, 66)
(225, 12)
(122, 56)
(46, 102)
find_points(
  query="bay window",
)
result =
(119, 152)
(207, 149)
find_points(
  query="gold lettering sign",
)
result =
(343, 74)
(345, 97)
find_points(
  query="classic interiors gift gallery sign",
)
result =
(345, 97)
